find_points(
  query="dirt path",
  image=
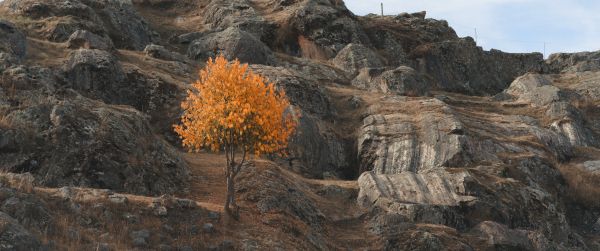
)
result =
(346, 227)
(208, 178)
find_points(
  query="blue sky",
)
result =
(508, 25)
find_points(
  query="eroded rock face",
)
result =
(402, 81)
(223, 14)
(436, 187)
(97, 74)
(232, 43)
(13, 236)
(12, 40)
(87, 40)
(535, 89)
(58, 19)
(12, 45)
(388, 142)
(316, 146)
(326, 23)
(461, 66)
(355, 57)
(160, 52)
(116, 148)
(573, 62)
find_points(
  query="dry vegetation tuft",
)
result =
(582, 185)
(311, 50)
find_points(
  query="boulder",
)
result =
(569, 121)
(535, 89)
(88, 40)
(224, 14)
(329, 25)
(232, 43)
(97, 74)
(12, 40)
(499, 236)
(402, 81)
(160, 52)
(12, 45)
(355, 57)
(13, 236)
(592, 167)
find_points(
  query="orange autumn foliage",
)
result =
(232, 106)
(233, 109)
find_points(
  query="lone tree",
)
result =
(233, 109)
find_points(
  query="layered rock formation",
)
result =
(410, 138)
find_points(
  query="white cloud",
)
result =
(509, 25)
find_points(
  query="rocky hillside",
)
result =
(411, 138)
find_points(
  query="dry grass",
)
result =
(583, 186)
(311, 50)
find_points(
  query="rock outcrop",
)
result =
(58, 19)
(87, 40)
(402, 81)
(12, 45)
(355, 57)
(461, 66)
(454, 147)
(232, 43)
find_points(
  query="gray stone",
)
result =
(534, 89)
(160, 52)
(14, 236)
(12, 40)
(355, 57)
(139, 242)
(431, 188)
(232, 43)
(402, 80)
(160, 211)
(116, 19)
(573, 62)
(592, 166)
(388, 145)
(140, 238)
(596, 226)
(208, 228)
(95, 73)
(498, 235)
(88, 40)
(118, 199)
(240, 14)
(461, 66)
(213, 215)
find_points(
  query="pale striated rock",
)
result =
(593, 167)
(535, 89)
(435, 187)
(402, 81)
(355, 57)
(390, 143)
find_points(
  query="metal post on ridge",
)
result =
(382, 9)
